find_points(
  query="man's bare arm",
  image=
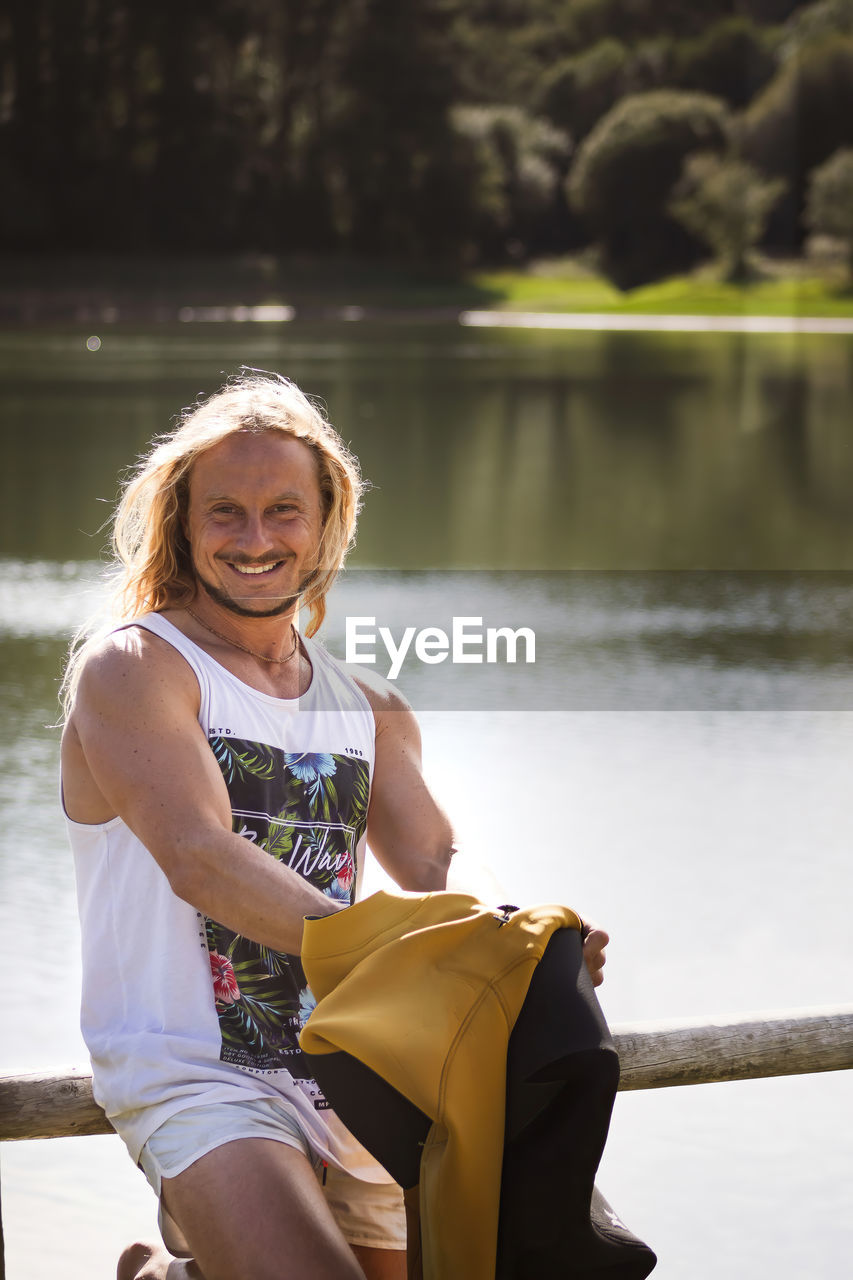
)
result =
(135, 717)
(408, 832)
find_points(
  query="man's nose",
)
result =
(254, 535)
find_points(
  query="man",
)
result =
(221, 774)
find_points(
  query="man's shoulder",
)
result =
(129, 657)
(395, 720)
(382, 695)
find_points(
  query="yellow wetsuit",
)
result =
(425, 990)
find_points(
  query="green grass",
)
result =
(540, 290)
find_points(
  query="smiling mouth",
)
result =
(256, 569)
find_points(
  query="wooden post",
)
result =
(698, 1051)
(53, 1104)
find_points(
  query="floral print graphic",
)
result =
(315, 770)
(308, 811)
(225, 987)
(346, 874)
(310, 766)
(307, 1005)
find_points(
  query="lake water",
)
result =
(671, 516)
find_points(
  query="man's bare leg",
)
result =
(380, 1264)
(253, 1210)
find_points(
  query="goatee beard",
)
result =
(228, 602)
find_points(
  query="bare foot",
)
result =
(143, 1262)
(153, 1262)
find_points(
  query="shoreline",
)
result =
(40, 291)
(45, 313)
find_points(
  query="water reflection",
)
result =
(546, 640)
(582, 450)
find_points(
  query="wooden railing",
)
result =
(59, 1104)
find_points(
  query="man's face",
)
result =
(254, 521)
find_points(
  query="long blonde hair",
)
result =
(152, 566)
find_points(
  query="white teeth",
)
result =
(246, 568)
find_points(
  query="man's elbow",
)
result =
(428, 872)
(184, 882)
(184, 869)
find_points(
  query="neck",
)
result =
(270, 640)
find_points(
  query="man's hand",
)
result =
(595, 957)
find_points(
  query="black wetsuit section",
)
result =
(562, 1076)
(391, 1127)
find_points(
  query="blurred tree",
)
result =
(624, 173)
(503, 46)
(634, 20)
(576, 92)
(22, 212)
(518, 166)
(283, 125)
(123, 129)
(829, 207)
(390, 136)
(814, 23)
(299, 190)
(797, 122)
(197, 176)
(732, 60)
(651, 66)
(768, 11)
(725, 203)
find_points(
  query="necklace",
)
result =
(236, 643)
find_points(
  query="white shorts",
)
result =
(368, 1213)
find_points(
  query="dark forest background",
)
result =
(439, 131)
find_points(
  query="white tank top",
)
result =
(177, 1010)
